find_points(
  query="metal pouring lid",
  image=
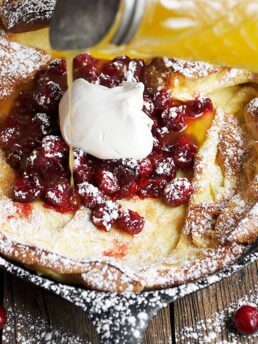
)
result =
(81, 24)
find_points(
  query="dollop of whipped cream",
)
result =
(107, 123)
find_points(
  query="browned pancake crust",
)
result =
(26, 15)
(214, 243)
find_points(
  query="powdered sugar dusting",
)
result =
(209, 330)
(17, 65)
(117, 316)
(28, 328)
(26, 12)
(190, 69)
(252, 106)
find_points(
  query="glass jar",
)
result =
(221, 31)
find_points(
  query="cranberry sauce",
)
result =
(35, 149)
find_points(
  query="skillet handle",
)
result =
(123, 318)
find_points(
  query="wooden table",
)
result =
(36, 316)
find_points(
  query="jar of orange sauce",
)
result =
(217, 31)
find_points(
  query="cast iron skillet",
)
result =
(123, 318)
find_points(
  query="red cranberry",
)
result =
(154, 187)
(24, 104)
(89, 73)
(246, 319)
(45, 165)
(15, 155)
(135, 70)
(3, 317)
(85, 166)
(79, 157)
(195, 108)
(162, 100)
(47, 98)
(58, 193)
(127, 170)
(130, 189)
(146, 167)
(174, 118)
(54, 147)
(83, 60)
(131, 222)
(19, 118)
(161, 134)
(83, 173)
(84, 67)
(41, 123)
(107, 181)
(56, 72)
(156, 156)
(184, 151)
(105, 215)
(27, 188)
(8, 136)
(109, 81)
(123, 58)
(166, 168)
(113, 68)
(57, 66)
(91, 196)
(178, 192)
(148, 105)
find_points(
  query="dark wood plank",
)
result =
(159, 329)
(203, 316)
(40, 317)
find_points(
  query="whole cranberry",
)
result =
(245, 319)
(83, 60)
(107, 181)
(135, 70)
(23, 104)
(8, 135)
(54, 146)
(89, 73)
(113, 68)
(57, 66)
(56, 72)
(123, 58)
(174, 118)
(184, 151)
(177, 192)
(47, 97)
(146, 167)
(127, 170)
(16, 155)
(56, 192)
(91, 196)
(148, 105)
(27, 188)
(3, 317)
(160, 136)
(41, 125)
(105, 215)
(83, 173)
(166, 167)
(109, 81)
(162, 100)
(130, 221)
(195, 108)
(154, 187)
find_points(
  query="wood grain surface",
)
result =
(36, 316)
